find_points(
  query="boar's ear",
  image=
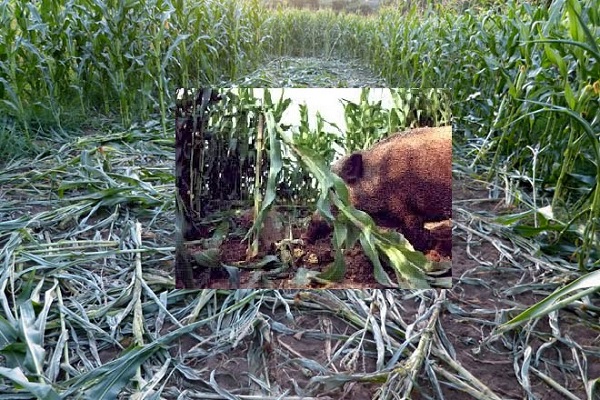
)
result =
(352, 170)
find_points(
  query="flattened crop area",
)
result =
(87, 233)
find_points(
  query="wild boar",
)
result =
(402, 182)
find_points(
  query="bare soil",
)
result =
(304, 259)
(483, 280)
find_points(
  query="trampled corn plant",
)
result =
(51, 258)
(43, 364)
(582, 287)
(353, 225)
(22, 343)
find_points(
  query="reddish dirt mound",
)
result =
(308, 257)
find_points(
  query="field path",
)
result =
(312, 72)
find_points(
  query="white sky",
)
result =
(324, 100)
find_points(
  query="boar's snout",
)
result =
(349, 168)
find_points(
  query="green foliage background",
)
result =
(525, 82)
(524, 79)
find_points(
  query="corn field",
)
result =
(88, 303)
(528, 76)
(232, 148)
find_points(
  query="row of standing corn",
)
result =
(525, 80)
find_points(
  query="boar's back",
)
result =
(404, 180)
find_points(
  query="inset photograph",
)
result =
(313, 188)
